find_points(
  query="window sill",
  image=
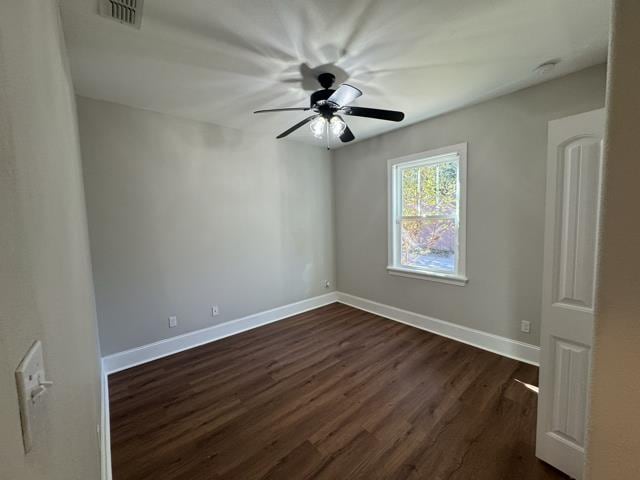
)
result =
(434, 277)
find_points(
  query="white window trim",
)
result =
(393, 266)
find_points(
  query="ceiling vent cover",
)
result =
(128, 12)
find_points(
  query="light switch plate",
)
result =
(31, 383)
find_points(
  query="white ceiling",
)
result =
(218, 60)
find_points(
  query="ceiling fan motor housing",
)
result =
(320, 95)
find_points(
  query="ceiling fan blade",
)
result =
(304, 109)
(344, 95)
(347, 135)
(297, 126)
(390, 115)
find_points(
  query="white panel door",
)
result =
(574, 177)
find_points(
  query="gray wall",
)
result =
(46, 289)
(614, 432)
(184, 215)
(507, 140)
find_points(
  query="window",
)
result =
(427, 203)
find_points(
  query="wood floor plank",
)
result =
(332, 393)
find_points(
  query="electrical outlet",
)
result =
(327, 284)
(173, 321)
(215, 311)
(525, 326)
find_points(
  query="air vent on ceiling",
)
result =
(128, 12)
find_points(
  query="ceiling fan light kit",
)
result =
(327, 104)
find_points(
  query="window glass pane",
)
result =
(438, 189)
(428, 243)
(409, 189)
(429, 190)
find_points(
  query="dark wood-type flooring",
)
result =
(334, 393)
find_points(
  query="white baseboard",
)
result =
(521, 351)
(105, 427)
(494, 343)
(146, 353)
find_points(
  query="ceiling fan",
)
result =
(328, 104)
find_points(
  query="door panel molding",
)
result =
(570, 391)
(579, 166)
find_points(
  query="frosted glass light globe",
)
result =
(337, 126)
(318, 126)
